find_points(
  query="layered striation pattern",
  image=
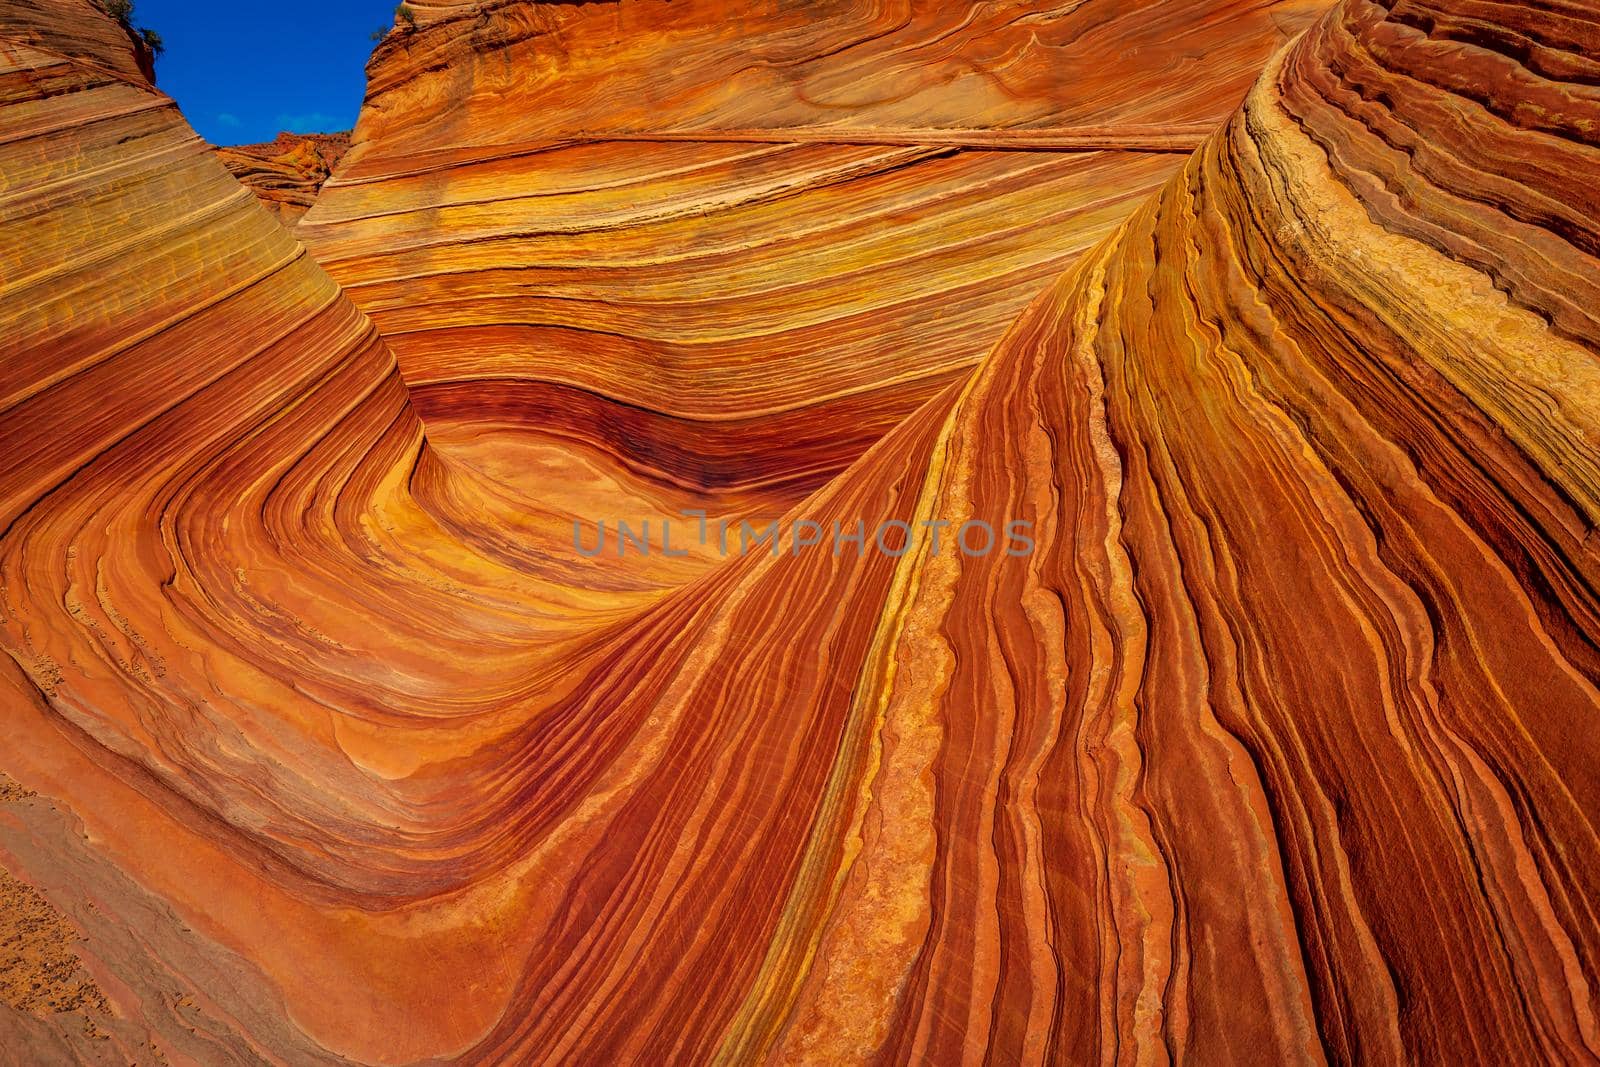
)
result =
(1278, 746)
(286, 173)
(79, 30)
(731, 246)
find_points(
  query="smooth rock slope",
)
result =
(1278, 747)
(729, 246)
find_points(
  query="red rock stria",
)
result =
(732, 245)
(286, 173)
(1276, 749)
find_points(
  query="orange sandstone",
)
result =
(1276, 748)
(286, 173)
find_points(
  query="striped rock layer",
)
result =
(731, 246)
(1277, 748)
(286, 173)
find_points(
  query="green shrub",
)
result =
(407, 16)
(122, 11)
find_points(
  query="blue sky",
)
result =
(242, 72)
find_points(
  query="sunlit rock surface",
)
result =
(79, 30)
(731, 245)
(323, 745)
(286, 173)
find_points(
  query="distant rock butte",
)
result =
(324, 746)
(286, 173)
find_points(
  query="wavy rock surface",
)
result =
(286, 173)
(1277, 748)
(805, 221)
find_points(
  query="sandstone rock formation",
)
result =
(805, 220)
(79, 30)
(1277, 748)
(286, 173)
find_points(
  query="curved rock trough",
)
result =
(1276, 328)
